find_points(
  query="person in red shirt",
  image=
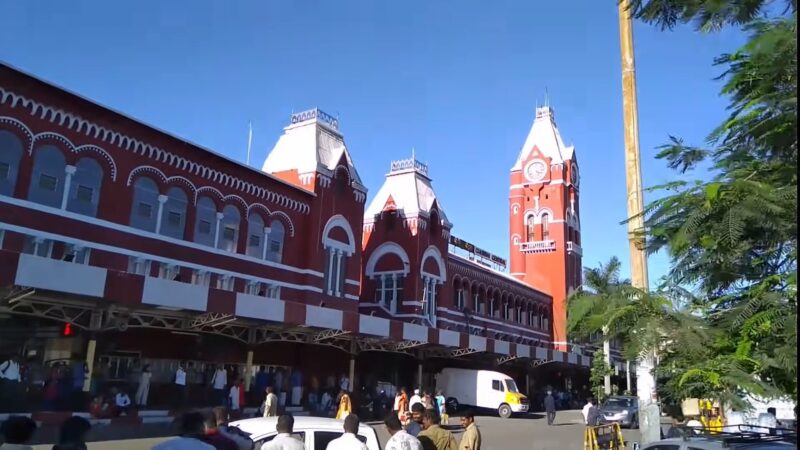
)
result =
(213, 436)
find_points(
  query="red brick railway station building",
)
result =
(154, 249)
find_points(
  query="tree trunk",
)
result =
(607, 377)
(649, 416)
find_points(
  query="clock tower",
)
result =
(544, 213)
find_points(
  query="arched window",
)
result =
(144, 209)
(47, 182)
(255, 236)
(545, 227)
(229, 229)
(173, 214)
(458, 301)
(205, 225)
(339, 243)
(84, 188)
(275, 239)
(531, 228)
(10, 155)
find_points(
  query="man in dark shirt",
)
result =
(550, 407)
(213, 436)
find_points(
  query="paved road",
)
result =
(526, 433)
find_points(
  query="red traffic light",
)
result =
(67, 331)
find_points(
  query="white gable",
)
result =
(410, 188)
(545, 136)
(309, 144)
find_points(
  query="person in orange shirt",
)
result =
(345, 407)
(402, 407)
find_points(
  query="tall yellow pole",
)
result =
(633, 170)
(649, 417)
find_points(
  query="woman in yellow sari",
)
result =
(345, 408)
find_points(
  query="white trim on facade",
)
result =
(433, 252)
(340, 222)
(386, 248)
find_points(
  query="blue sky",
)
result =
(457, 80)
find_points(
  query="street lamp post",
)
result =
(649, 417)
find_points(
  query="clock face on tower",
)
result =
(536, 170)
(575, 177)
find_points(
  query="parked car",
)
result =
(622, 409)
(315, 432)
(704, 443)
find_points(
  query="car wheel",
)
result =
(504, 411)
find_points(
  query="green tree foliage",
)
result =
(732, 237)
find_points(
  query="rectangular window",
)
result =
(84, 193)
(47, 182)
(174, 218)
(201, 278)
(169, 272)
(497, 385)
(37, 246)
(229, 233)
(204, 227)
(5, 170)
(144, 210)
(76, 254)
(225, 282)
(273, 292)
(138, 266)
(275, 246)
(254, 241)
(253, 288)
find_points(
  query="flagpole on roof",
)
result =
(249, 140)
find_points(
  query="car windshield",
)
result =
(511, 386)
(619, 402)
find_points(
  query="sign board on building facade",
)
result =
(464, 245)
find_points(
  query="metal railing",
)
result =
(538, 246)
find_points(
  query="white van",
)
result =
(482, 389)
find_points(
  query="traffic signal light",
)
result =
(67, 331)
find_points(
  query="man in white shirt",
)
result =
(180, 386)
(284, 440)
(10, 381)
(218, 382)
(414, 399)
(271, 404)
(348, 440)
(400, 439)
(122, 401)
(585, 411)
(344, 383)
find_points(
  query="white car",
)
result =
(316, 432)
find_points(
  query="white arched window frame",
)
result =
(275, 239)
(10, 156)
(388, 283)
(545, 226)
(144, 208)
(205, 224)
(336, 255)
(84, 187)
(173, 213)
(459, 296)
(430, 282)
(256, 235)
(49, 176)
(228, 235)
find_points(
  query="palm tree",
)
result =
(601, 285)
(648, 324)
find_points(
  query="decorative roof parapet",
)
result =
(403, 165)
(317, 115)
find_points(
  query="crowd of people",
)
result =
(17, 432)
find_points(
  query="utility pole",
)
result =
(649, 417)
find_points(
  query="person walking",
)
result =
(180, 386)
(236, 397)
(441, 405)
(17, 431)
(348, 440)
(218, 383)
(10, 382)
(415, 399)
(471, 439)
(271, 403)
(345, 406)
(284, 440)
(592, 413)
(143, 391)
(434, 437)
(402, 406)
(399, 439)
(550, 407)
